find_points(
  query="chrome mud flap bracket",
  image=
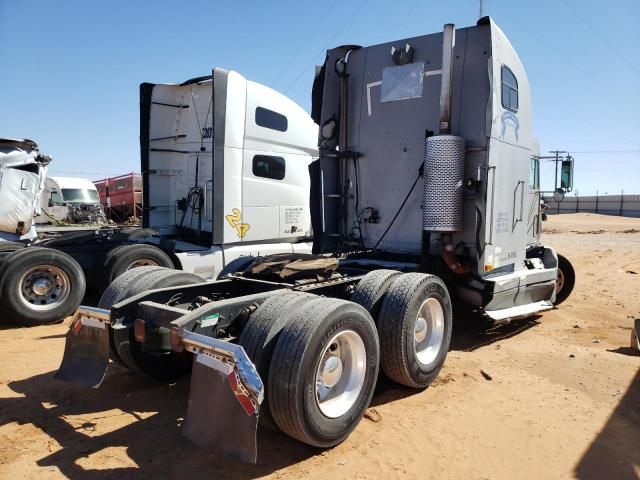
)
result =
(86, 350)
(224, 398)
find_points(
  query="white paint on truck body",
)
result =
(246, 149)
(23, 171)
(198, 130)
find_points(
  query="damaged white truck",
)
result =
(202, 217)
(35, 283)
(70, 201)
(425, 196)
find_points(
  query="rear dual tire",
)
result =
(414, 318)
(7, 247)
(125, 350)
(320, 377)
(323, 371)
(415, 324)
(119, 290)
(371, 290)
(261, 333)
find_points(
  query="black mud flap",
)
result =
(224, 400)
(86, 351)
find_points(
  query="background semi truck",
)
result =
(207, 200)
(70, 201)
(425, 204)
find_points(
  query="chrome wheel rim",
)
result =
(559, 281)
(44, 287)
(428, 331)
(340, 374)
(143, 262)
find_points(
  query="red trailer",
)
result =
(122, 197)
(102, 186)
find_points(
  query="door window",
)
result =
(269, 119)
(267, 166)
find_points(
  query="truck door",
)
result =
(533, 203)
(507, 200)
(275, 178)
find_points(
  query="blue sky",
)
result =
(71, 69)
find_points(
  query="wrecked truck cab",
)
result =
(23, 171)
(37, 285)
(71, 200)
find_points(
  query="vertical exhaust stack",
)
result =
(448, 42)
(444, 168)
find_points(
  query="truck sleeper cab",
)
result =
(225, 169)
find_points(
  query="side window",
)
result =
(267, 166)
(509, 90)
(534, 174)
(269, 119)
(56, 197)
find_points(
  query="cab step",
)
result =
(519, 311)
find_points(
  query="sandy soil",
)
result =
(563, 400)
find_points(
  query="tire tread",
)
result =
(394, 308)
(372, 288)
(285, 376)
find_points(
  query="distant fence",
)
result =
(623, 205)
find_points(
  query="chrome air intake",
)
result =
(443, 183)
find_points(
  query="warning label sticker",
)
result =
(503, 222)
(292, 220)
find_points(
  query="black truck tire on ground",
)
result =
(120, 287)
(260, 334)
(313, 397)
(40, 286)
(415, 326)
(238, 265)
(126, 257)
(6, 246)
(169, 365)
(372, 288)
(119, 290)
(566, 280)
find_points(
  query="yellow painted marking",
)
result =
(235, 220)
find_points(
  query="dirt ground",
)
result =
(563, 400)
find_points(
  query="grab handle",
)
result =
(491, 204)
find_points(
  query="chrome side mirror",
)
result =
(558, 195)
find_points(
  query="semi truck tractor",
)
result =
(70, 201)
(211, 202)
(423, 200)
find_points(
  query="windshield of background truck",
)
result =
(80, 195)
